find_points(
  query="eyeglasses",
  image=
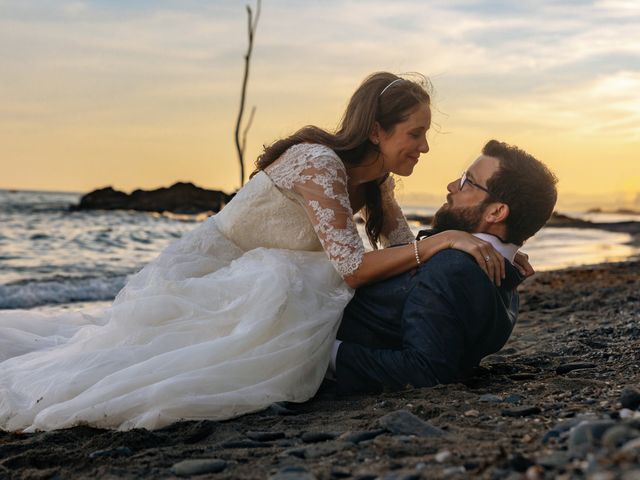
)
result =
(465, 179)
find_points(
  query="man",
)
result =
(430, 325)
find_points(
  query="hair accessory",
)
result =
(415, 251)
(385, 88)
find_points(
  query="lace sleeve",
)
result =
(317, 175)
(395, 229)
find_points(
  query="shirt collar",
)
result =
(507, 250)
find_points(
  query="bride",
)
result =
(242, 311)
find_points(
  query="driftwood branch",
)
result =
(240, 145)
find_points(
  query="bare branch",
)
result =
(246, 128)
(252, 24)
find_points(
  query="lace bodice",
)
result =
(318, 178)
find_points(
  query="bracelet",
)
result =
(415, 251)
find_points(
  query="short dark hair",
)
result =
(526, 185)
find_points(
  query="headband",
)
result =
(385, 88)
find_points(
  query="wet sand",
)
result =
(551, 404)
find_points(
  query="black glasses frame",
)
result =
(465, 179)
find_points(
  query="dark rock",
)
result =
(337, 472)
(403, 422)
(489, 398)
(618, 435)
(179, 198)
(556, 460)
(357, 437)
(523, 411)
(401, 476)
(187, 468)
(588, 434)
(630, 398)
(523, 376)
(242, 444)
(520, 463)
(112, 452)
(514, 398)
(265, 436)
(314, 437)
(569, 367)
(293, 473)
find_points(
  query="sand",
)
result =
(549, 405)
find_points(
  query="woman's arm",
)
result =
(381, 264)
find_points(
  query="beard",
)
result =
(466, 219)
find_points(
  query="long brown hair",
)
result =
(384, 98)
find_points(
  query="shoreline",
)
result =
(573, 352)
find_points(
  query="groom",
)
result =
(431, 325)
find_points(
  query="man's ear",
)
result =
(497, 212)
(374, 135)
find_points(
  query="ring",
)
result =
(487, 258)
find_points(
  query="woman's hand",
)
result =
(521, 262)
(487, 257)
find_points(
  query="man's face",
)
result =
(465, 207)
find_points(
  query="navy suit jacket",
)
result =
(426, 326)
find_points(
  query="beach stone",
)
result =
(186, 468)
(112, 453)
(443, 456)
(557, 460)
(534, 472)
(630, 398)
(489, 398)
(569, 367)
(242, 444)
(631, 446)
(315, 437)
(514, 398)
(403, 422)
(337, 472)
(361, 436)
(523, 411)
(293, 473)
(588, 434)
(472, 413)
(265, 436)
(520, 463)
(618, 435)
(451, 471)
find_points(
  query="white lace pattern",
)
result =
(317, 176)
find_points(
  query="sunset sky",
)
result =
(141, 94)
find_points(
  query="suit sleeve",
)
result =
(445, 311)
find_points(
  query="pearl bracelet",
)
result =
(415, 251)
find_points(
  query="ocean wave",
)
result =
(28, 294)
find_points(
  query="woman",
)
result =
(242, 311)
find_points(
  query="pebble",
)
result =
(186, 468)
(514, 398)
(443, 456)
(588, 433)
(569, 367)
(489, 398)
(242, 444)
(402, 422)
(337, 472)
(631, 446)
(112, 453)
(555, 460)
(523, 411)
(293, 473)
(315, 437)
(361, 436)
(317, 450)
(534, 472)
(472, 413)
(265, 436)
(630, 398)
(449, 472)
(618, 435)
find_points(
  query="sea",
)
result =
(52, 256)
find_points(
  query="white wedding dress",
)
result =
(239, 313)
